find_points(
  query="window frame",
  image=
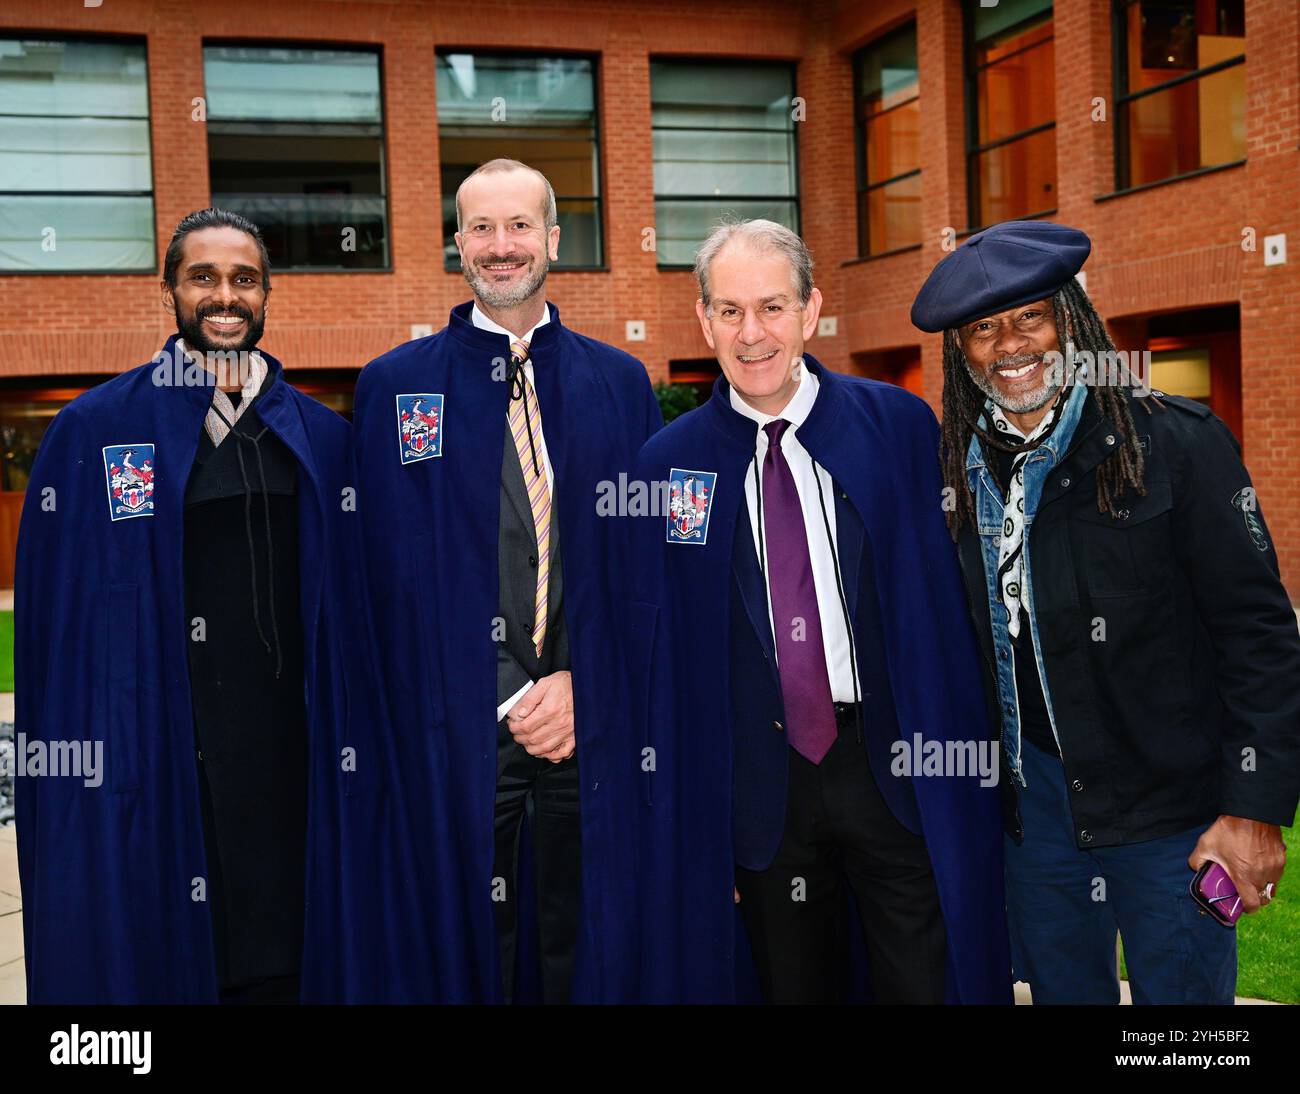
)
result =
(730, 62)
(375, 48)
(973, 148)
(861, 141)
(598, 142)
(1122, 97)
(142, 40)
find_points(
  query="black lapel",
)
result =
(744, 563)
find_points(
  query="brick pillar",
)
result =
(943, 155)
(1269, 386)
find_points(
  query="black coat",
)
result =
(1169, 643)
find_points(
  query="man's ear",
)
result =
(553, 243)
(811, 311)
(168, 296)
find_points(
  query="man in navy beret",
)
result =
(1141, 652)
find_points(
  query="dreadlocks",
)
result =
(1077, 325)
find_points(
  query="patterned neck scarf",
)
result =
(1011, 554)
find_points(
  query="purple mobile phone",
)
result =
(1214, 891)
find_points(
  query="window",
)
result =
(1011, 111)
(724, 146)
(900, 366)
(76, 175)
(296, 144)
(539, 110)
(888, 123)
(27, 406)
(1180, 88)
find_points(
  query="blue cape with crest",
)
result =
(430, 421)
(109, 872)
(880, 445)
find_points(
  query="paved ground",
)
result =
(13, 988)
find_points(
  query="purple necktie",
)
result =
(800, 654)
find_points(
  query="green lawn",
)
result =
(1268, 943)
(6, 651)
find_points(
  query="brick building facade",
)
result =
(1166, 257)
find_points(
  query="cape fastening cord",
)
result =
(248, 528)
(519, 390)
(844, 604)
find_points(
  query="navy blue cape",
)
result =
(431, 528)
(880, 444)
(108, 872)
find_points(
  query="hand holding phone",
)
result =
(1214, 891)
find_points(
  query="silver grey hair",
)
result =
(759, 234)
(503, 164)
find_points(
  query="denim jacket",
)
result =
(989, 505)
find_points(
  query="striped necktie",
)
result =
(526, 428)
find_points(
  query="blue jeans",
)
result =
(1065, 906)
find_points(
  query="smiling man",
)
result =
(187, 594)
(1142, 655)
(801, 617)
(482, 451)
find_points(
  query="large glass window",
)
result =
(888, 122)
(1011, 111)
(724, 146)
(296, 144)
(1180, 87)
(539, 110)
(76, 176)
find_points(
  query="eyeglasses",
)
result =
(768, 314)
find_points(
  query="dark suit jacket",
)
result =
(517, 660)
(761, 759)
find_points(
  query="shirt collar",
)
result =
(481, 321)
(794, 412)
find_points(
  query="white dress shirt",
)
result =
(835, 636)
(484, 323)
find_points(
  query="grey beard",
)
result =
(1029, 401)
(509, 297)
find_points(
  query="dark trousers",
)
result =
(1065, 906)
(838, 830)
(547, 794)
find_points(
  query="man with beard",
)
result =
(1142, 654)
(497, 587)
(186, 560)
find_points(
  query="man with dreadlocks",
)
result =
(1141, 650)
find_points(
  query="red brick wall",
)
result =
(1170, 247)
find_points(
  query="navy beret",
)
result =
(1010, 264)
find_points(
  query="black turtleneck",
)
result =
(246, 681)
